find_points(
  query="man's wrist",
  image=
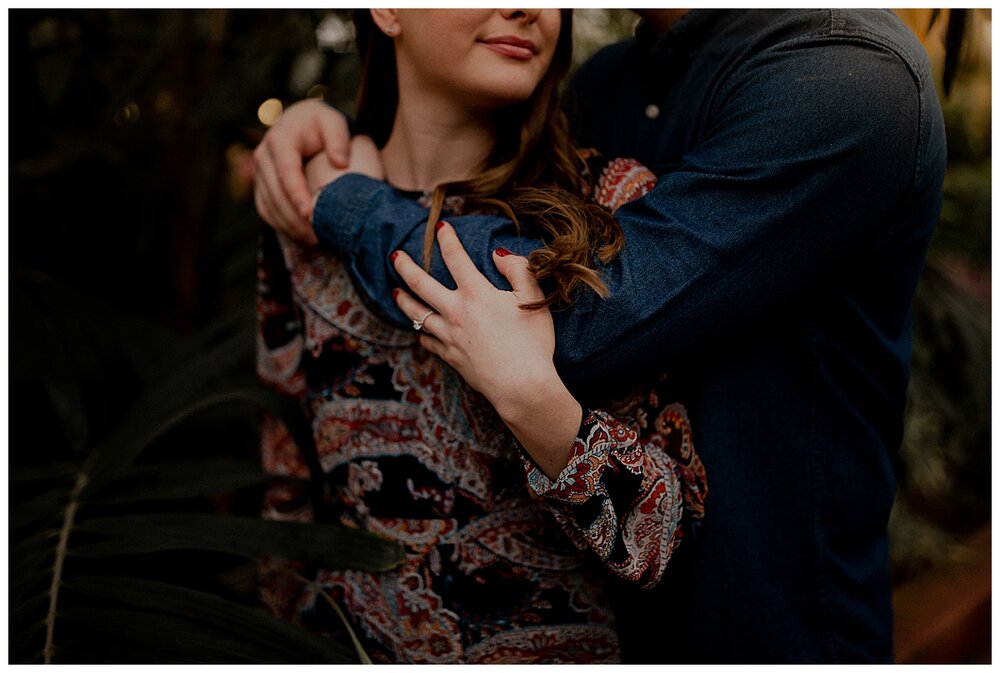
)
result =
(339, 208)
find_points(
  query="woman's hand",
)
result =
(500, 349)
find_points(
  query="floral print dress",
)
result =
(502, 564)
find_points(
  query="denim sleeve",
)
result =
(364, 220)
(809, 152)
(812, 151)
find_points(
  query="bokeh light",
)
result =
(269, 111)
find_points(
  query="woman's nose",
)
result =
(526, 15)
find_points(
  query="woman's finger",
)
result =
(429, 335)
(516, 269)
(456, 258)
(421, 283)
(433, 345)
(414, 310)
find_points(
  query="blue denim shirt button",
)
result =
(652, 111)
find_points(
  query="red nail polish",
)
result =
(395, 293)
(503, 252)
(393, 255)
(439, 225)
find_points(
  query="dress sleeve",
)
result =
(631, 485)
(631, 490)
(279, 351)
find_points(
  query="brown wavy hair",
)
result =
(535, 173)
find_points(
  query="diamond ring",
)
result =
(419, 323)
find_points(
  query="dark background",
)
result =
(132, 242)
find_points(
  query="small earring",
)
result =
(390, 30)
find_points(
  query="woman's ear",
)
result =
(386, 20)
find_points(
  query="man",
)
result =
(800, 156)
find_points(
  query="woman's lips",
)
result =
(511, 46)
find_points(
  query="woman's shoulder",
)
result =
(330, 304)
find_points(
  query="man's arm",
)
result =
(365, 220)
(812, 149)
(306, 129)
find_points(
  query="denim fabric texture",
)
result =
(800, 156)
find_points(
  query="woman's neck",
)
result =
(434, 141)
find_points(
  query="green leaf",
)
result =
(169, 638)
(19, 642)
(42, 509)
(329, 545)
(24, 588)
(21, 476)
(67, 401)
(148, 423)
(32, 607)
(183, 479)
(191, 385)
(30, 561)
(293, 642)
(115, 457)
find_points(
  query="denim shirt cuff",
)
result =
(340, 210)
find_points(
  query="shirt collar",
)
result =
(683, 37)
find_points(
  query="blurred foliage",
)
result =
(135, 485)
(121, 548)
(133, 423)
(944, 465)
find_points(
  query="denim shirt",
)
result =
(800, 156)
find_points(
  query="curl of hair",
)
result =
(535, 175)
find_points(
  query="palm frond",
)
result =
(98, 536)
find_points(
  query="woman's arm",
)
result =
(619, 486)
(632, 489)
(501, 350)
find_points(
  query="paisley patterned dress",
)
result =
(502, 564)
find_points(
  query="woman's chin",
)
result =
(500, 96)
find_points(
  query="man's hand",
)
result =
(306, 129)
(320, 171)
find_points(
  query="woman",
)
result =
(511, 500)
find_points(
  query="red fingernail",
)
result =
(395, 293)
(439, 225)
(503, 252)
(393, 255)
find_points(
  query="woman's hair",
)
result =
(534, 174)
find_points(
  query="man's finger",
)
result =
(286, 161)
(281, 214)
(336, 138)
(263, 206)
(302, 233)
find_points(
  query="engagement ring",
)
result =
(419, 324)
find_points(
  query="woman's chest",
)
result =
(398, 433)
